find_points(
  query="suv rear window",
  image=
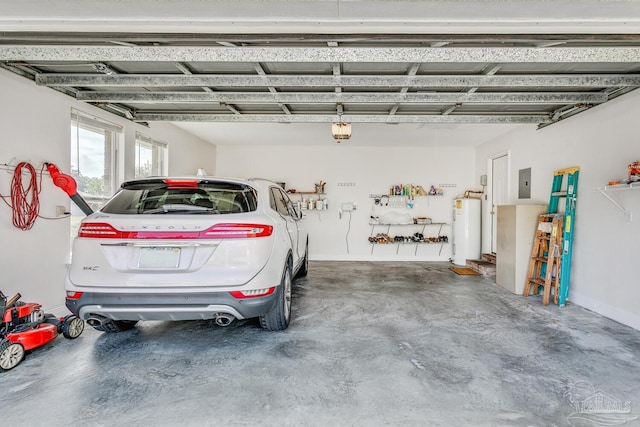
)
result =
(184, 197)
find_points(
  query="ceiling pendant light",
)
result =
(340, 130)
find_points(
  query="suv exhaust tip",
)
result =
(95, 320)
(223, 319)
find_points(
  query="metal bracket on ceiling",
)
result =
(104, 68)
(565, 112)
(119, 110)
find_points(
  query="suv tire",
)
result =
(277, 319)
(304, 268)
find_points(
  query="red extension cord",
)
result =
(25, 203)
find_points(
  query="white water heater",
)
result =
(466, 230)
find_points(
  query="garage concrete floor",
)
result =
(371, 344)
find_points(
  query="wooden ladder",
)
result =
(568, 193)
(544, 266)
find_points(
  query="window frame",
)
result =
(112, 139)
(159, 166)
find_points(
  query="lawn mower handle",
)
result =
(12, 301)
(4, 304)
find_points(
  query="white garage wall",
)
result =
(602, 141)
(373, 170)
(35, 128)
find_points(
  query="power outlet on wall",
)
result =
(348, 206)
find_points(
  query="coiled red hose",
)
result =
(25, 203)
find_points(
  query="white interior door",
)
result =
(499, 192)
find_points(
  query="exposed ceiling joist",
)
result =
(413, 70)
(353, 118)
(342, 97)
(244, 80)
(231, 108)
(260, 70)
(184, 68)
(382, 78)
(489, 70)
(321, 54)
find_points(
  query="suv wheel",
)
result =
(277, 319)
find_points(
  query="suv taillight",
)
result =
(74, 295)
(99, 229)
(256, 293)
(236, 231)
(181, 183)
(103, 230)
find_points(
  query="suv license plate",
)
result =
(159, 258)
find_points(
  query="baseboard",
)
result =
(613, 313)
(390, 258)
(59, 311)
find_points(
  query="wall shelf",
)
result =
(378, 196)
(298, 201)
(398, 201)
(613, 189)
(306, 193)
(423, 227)
(376, 224)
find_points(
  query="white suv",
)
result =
(186, 249)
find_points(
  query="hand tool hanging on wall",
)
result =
(69, 186)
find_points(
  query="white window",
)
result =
(93, 157)
(151, 157)
(94, 144)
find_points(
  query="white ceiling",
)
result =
(325, 16)
(363, 134)
(342, 17)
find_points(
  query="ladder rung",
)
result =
(567, 171)
(541, 259)
(540, 281)
(559, 194)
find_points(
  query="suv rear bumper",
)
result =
(127, 306)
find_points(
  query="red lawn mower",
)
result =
(25, 326)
